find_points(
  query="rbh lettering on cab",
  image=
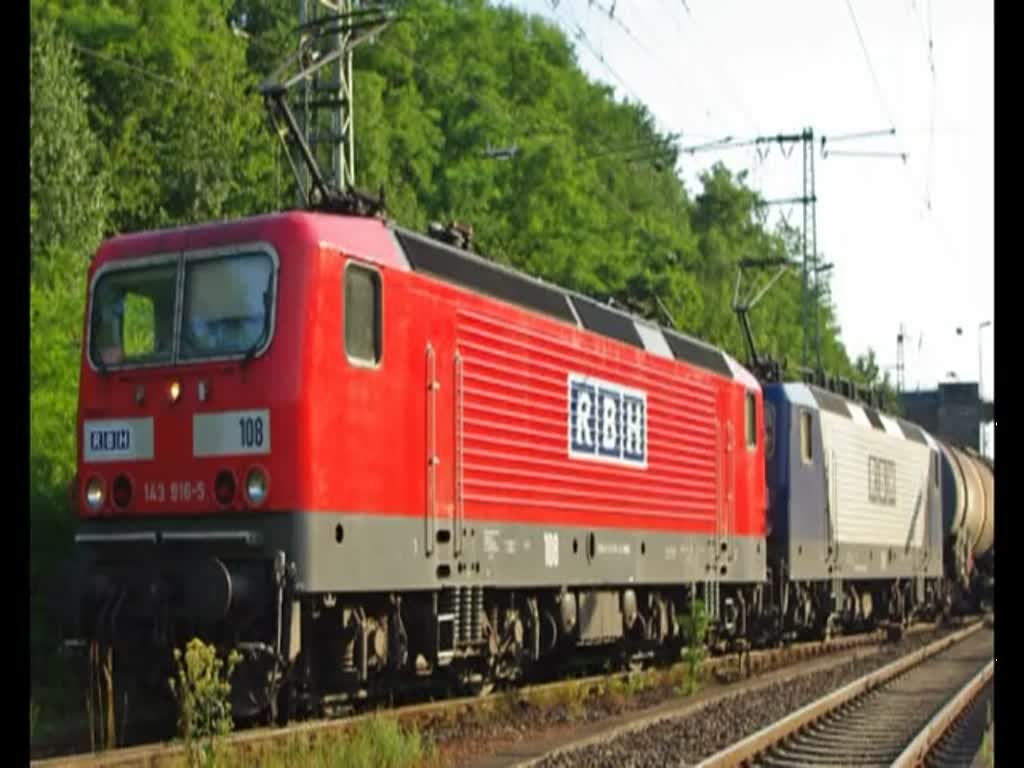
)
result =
(110, 440)
(560, 477)
(607, 421)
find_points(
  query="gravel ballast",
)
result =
(688, 739)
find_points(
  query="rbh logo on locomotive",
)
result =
(607, 422)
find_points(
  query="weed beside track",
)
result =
(457, 732)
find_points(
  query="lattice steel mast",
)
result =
(809, 200)
(326, 109)
(319, 133)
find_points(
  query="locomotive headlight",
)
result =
(256, 485)
(174, 391)
(94, 493)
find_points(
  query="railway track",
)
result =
(720, 668)
(899, 715)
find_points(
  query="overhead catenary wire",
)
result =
(541, 129)
(609, 11)
(538, 129)
(885, 108)
(931, 121)
(871, 66)
(917, 192)
(655, 147)
(670, 7)
(602, 150)
(710, 50)
(582, 37)
(183, 87)
(925, 35)
(143, 71)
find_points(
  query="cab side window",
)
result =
(751, 420)
(805, 436)
(362, 315)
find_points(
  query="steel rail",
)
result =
(757, 744)
(929, 737)
(165, 753)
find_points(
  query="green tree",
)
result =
(172, 101)
(867, 368)
(868, 373)
(68, 205)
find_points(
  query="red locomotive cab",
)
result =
(175, 402)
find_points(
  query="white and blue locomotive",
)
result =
(865, 519)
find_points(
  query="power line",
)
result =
(809, 202)
(809, 236)
(694, 86)
(925, 36)
(931, 122)
(611, 15)
(648, 145)
(632, 152)
(669, 6)
(931, 149)
(662, 66)
(878, 89)
(931, 40)
(539, 128)
(583, 38)
(156, 77)
(871, 67)
(710, 49)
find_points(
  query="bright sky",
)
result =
(713, 68)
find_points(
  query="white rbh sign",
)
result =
(607, 422)
(118, 440)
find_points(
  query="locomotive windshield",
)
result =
(133, 316)
(227, 305)
(225, 310)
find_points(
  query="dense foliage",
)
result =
(143, 116)
(68, 214)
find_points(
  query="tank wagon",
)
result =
(969, 521)
(357, 453)
(855, 507)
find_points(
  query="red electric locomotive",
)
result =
(360, 454)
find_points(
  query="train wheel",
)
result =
(476, 683)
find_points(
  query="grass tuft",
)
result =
(377, 742)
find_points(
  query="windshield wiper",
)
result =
(250, 353)
(97, 360)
